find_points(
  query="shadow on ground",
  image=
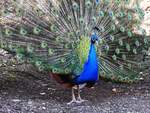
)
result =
(25, 95)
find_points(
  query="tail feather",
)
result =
(48, 35)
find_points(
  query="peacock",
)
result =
(77, 41)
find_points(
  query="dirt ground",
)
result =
(27, 95)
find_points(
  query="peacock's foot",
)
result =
(79, 100)
(72, 101)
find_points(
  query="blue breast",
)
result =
(90, 69)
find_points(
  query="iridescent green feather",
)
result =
(83, 50)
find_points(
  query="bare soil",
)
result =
(24, 94)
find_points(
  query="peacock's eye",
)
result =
(114, 57)
(30, 60)
(137, 43)
(111, 13)
(78, 33)
(3, 44)
(88, 4)
(63, 60)
(19, 12)
(143, 31)
(20, 59)
(127, 1)
(124, 57)
(36, 30)
(97, 1)
(135, 51)
(101, 14)
(111, 37)
(41, 68)
(117, 50)
(50, 51)
(102, 29)
(5, 12)
(53, 28)
(145, 41)
(66, 46)
(69, 18)
(54, 11)
(129, 33)
(44, 45)
(129, 65)
(106, 47)
(117, 1)
(122, 29)
(145, 52)
(93, 19)
(8, 32)
(106, 1)
(71, 34)
(23, 31)
(81, 21)
(113, 27)
(55, 70)
(128, 47)
(30, 49)
(38, 63)
(67, 70)
(121, 14)
(120, 42)
(75, 6)
(129, 16)
(121, 67)
(11, 47)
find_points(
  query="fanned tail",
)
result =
(53, 35)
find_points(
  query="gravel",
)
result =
(24, 94)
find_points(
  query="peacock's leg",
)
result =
(73, 98)
(79, 100)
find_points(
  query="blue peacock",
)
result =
(77, 41)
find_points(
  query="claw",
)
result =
(73, 98)
(79, 100)
(72, 101)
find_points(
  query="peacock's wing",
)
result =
(55, 35)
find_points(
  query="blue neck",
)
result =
(90, 69)
(92, 54)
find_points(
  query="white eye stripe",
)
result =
(147, 14)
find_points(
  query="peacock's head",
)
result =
(94, 36)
